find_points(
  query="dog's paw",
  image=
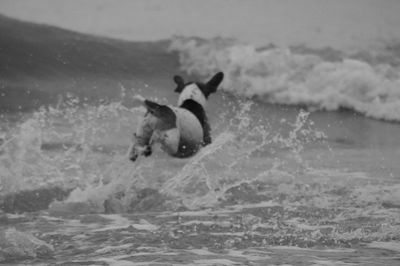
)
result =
(147, 151)
(132, 153)
(133, 156)
(138, 151)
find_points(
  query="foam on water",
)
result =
(258, 181)
(395, 246)
(286, 76)
(84, 149)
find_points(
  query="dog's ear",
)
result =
(214, 82)
(180, 83)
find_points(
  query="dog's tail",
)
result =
(139, 98)
(160, 111)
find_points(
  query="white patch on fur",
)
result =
(169, 140)
(189, 126)
(192, 91)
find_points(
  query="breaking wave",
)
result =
(319, 79)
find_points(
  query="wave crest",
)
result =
(294, 77)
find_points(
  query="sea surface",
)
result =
(303, 169)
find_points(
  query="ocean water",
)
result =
(303, 168)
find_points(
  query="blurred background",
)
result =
(339, 24)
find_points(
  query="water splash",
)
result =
(84, 148)
(237, 156)
(253, 166)
(65, 146)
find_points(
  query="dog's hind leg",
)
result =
(141, 139)
(169, 140)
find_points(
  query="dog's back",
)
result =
(190, 131)
(193, 97)
(181, 130)
(198, 111)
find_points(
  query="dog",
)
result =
(181, 130)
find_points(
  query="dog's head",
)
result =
(197, 91)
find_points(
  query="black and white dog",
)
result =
(180, 130)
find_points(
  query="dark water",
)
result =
(284, 181)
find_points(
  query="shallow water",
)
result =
(288, 183)
(274, 194)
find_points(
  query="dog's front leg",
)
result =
(135, 151)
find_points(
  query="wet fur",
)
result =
(165, 122)
(198, 111)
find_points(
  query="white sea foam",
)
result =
(119, 222)
(278, 75)
(215, 262)
(394, 246)
(109, 249)
(330, 263)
